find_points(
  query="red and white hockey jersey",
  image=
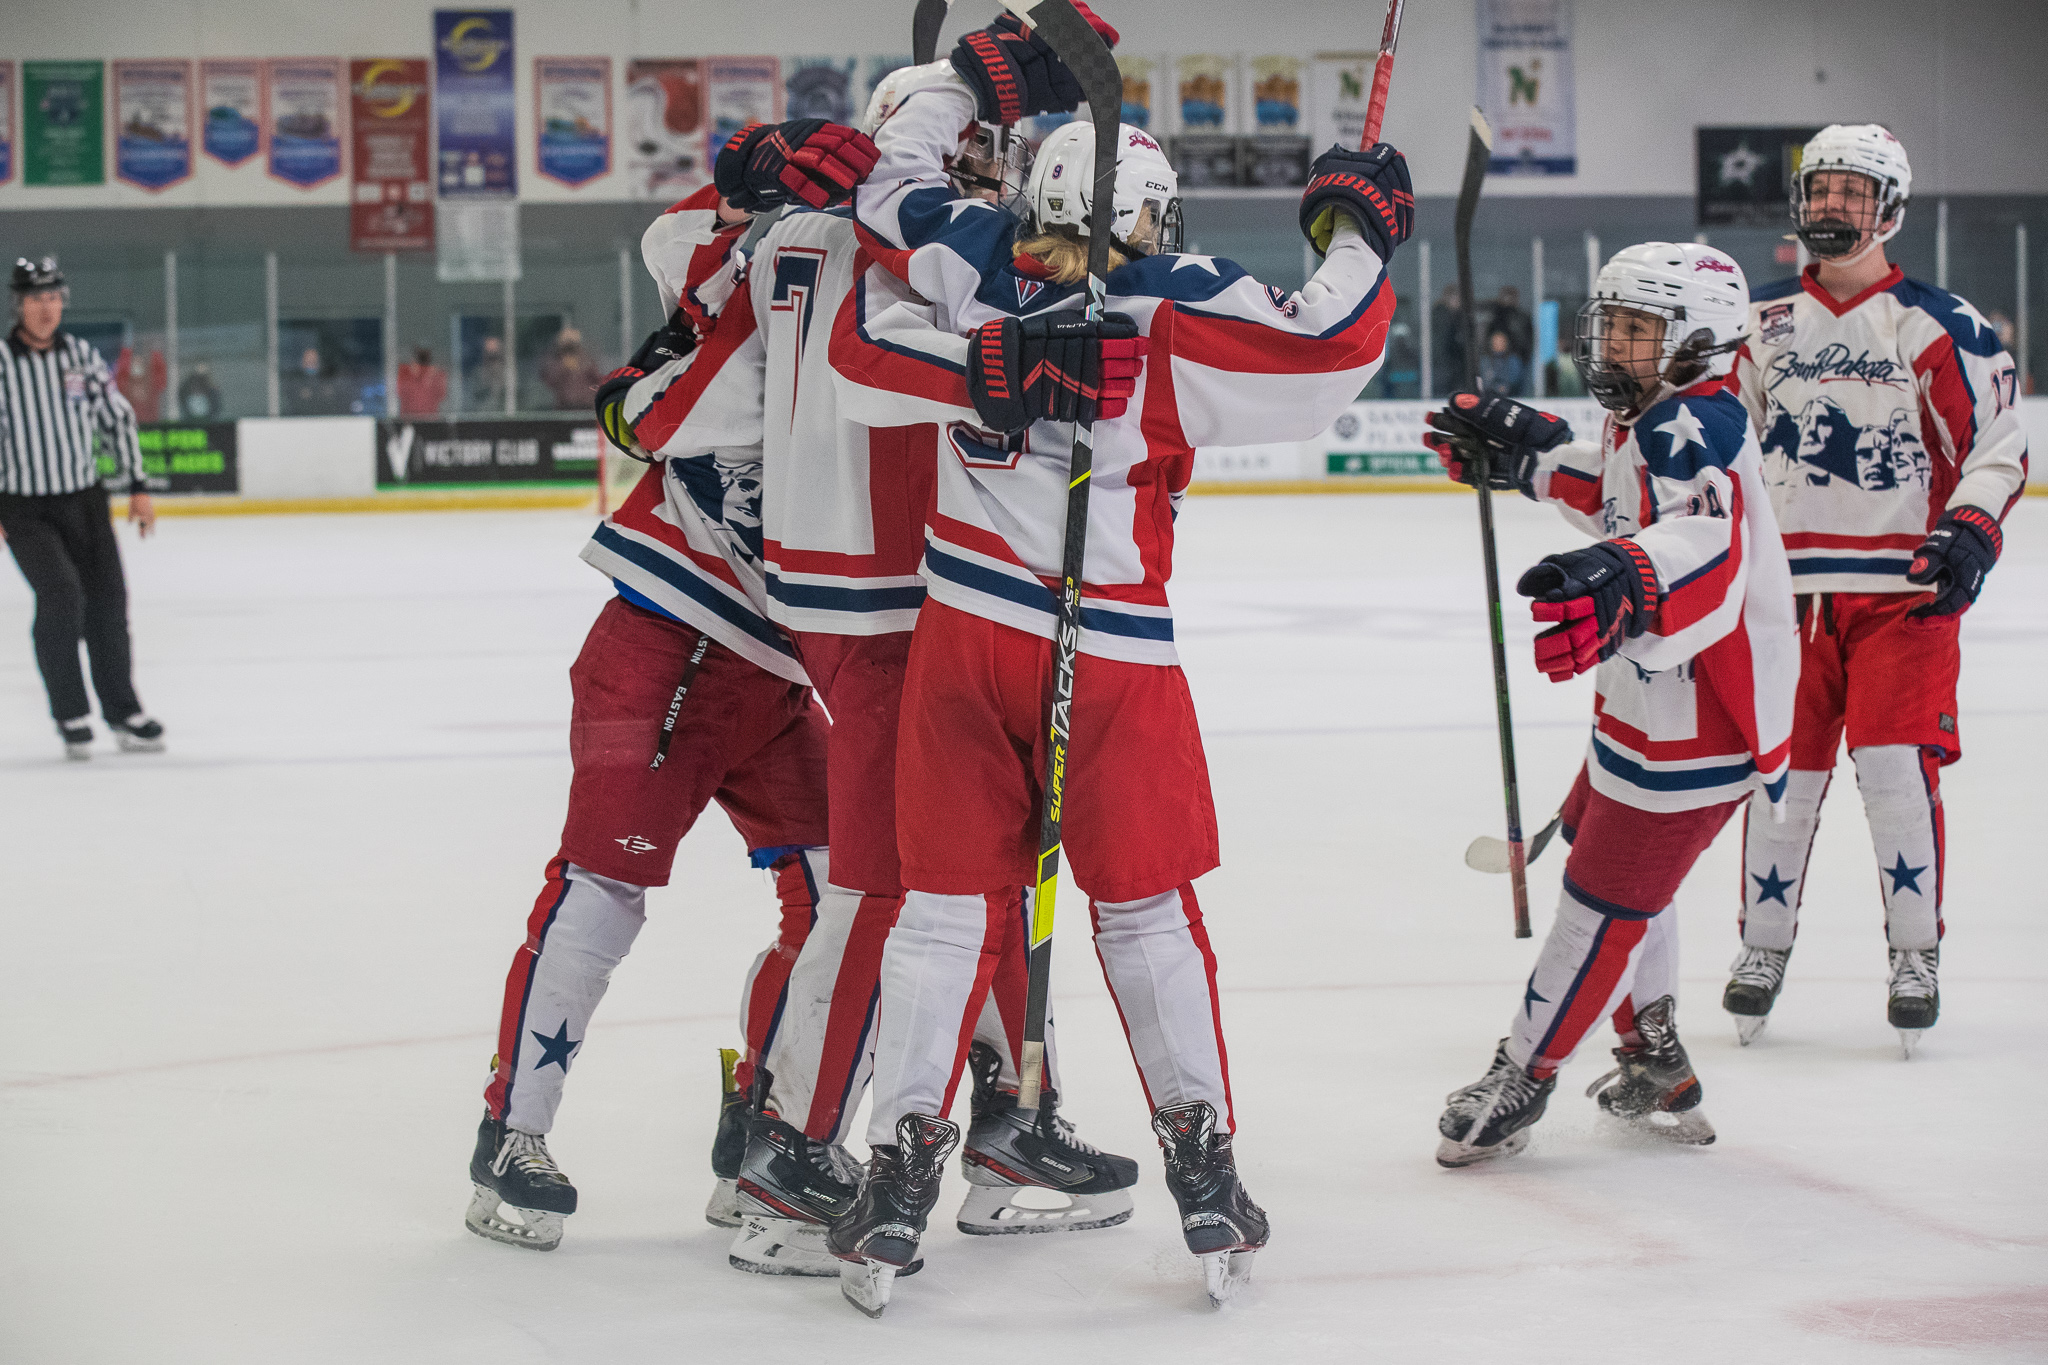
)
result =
(1231, 362)
(1876, 414)
(1697, 710)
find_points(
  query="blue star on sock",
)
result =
(1772, 888)
(1530, 1000)
(1903, 876)
(555, 1051)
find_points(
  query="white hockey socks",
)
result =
(935, 969)
(1901, 788)
(1774, 854)
(1155, 956)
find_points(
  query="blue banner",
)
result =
(474, 108)
(153, 127)
(231, 105)
(572, 101)
(305, 120)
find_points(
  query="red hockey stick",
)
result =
(1382, 75)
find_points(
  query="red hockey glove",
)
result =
(804, 161)
(1372, 186)
(1953, 560)
(1056, 367)
(1600, 596)
(1014, 72)
(1511, 435)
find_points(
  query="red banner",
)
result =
(391, 207)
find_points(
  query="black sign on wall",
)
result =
(183, 457)
(486, 450)
(1745, 175)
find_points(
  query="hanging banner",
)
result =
(232, 95)
(391, 207)
(665, 128)
(1204, 151)
(1745, 174)
(1525, 85)
(153, 123)
(63, 123)
(739, 91)
(473, 100)
(1138, 74)
(1276, 153)
(303, 98)
(6, 122)
(1340, 86)
(572, 110)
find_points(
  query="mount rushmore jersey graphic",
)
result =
(1823, 444)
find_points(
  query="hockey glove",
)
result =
(804, 161)
(671, 341)
(1014, 73)
(1599, 596)
(1510, 435)
(1056, 367)
(1372, 186)
(1953, 560)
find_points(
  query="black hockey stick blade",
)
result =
(1478, 153)
(1102, 87)
(924, 30)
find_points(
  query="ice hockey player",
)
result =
(1893, 450)
(843, 514)
(1206, 355)
(1685, 608)
(684, 693)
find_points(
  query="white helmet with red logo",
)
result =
(988, 160)
(1062, 182)
(1864, 149)
(1699, 292)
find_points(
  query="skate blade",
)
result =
(131, 745)
(536, 1230)
(866, 1285)
(1689, 1129)
(1909, 1041)
(1225, 1274)
(1454, 1154)
(1003, 1210)
(782, 1246)
(1749, 1027)
(78, 753)
(723, 1209)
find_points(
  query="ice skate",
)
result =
(77, 737)
(1222, 1225)
(788, 1188)
(878, 1239)
(1915, 994)
(728, 1146)
(512, 1172)
(138, 734)
(1756, 977)
(1653, 1089)
(1033, 1177)
(1491, 1117)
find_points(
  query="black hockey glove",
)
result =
(804, 161)
(1056, 367)
(1372, 186)
(671, 341)
(1953, 560)
(1014, 72)
(1510, 435)
(1599, 596)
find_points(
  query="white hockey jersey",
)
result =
(1876, 415)
(1231, 362)
(1697, 710)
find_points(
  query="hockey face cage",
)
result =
(1867, 209)
(1615, 352)
(993, 161)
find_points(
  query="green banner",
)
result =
(1412, 463)
(63, 113)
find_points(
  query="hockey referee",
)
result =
(55, 396)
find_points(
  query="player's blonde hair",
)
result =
(1064, 254)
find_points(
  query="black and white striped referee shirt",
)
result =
(52, 403)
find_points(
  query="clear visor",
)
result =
(1156, 230)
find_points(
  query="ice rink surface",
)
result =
(252, 985)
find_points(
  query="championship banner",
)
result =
(665, 128)
(572, 111)
(1525, 85)
(1340, 87)
(1276, 153)
(1205, 152)
(302, 96)
(391, 203)
(739, 91)
(1139, 73)
(6, 122)
(1745, 174)
(153, 123)
(63, 123)
(475, 109)
(231, 93)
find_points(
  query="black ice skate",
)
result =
(789, 1188)
(138, 734)
(512, 1171)
(1033, 1177)
(1219, 1220)
(77, 737)
(1756, 977)
(728, 1145)
(878, 1239)
(1491, 1117)
(1653, 1089)
(1915, 994)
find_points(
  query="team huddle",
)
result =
(859, 427)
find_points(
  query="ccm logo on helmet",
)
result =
(1709, 263)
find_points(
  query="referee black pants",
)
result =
(66, 549)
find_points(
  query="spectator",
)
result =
(487, 378)
(309, 390)
(1447, 342)
(1500, 369)
(422, 385)
(569, 372)
(1508, 318)
(198, 398)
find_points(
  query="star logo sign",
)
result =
(555, 1051)
(1904, 877)
(1771, 888)
(1684, 430)
(1740, 166)
(1530, 1000)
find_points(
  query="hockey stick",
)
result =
(1478, 151)
(924, 30)
(1102, 87)
(1488, 854)
(1382, 76)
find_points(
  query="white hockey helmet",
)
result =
(1699, 294)
(1865, 149)
(988, 159)
(1062, 184)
